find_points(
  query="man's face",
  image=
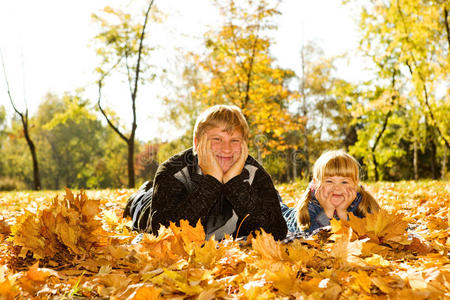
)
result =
(225, 146)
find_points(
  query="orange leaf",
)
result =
(35, 273)
(146, 293)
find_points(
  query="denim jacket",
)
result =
(318, 218)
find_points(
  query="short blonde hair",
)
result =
(229, 116)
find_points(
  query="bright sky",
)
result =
(45, 46)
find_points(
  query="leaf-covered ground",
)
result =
(63, 245)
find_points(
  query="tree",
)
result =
(26, 132)
(313, 102)
(414, 35)
(238, 69)
(72, 140)
(122, 47)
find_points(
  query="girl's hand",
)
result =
(207, 160)
(237, 167)
(324, 199)
(349, 196)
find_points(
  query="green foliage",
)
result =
(72, 137)
(2, 119)
(10, 184)
(173, 147)
(275, 165)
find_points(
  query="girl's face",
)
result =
(339, 188)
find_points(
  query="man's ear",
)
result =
(195, 143)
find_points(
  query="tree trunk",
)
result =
(288, 169)
(383, 129)
(305, 112)
(32, 147)
(131, 181)
(433, 160)
(294, 165)
(444, 164)
(375, 163)
(415, 159)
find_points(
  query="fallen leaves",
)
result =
(66, 228)
(79, 246)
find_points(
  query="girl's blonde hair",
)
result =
(329, 164)
(229, 116)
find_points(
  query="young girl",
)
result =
(334, 192)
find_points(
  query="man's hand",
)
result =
(207, 160)
(237, 167)
(324, 199)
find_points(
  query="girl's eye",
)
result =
(216, 139)
(235, 141)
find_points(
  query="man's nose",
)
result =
(226, 147)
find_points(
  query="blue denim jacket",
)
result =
(318, 218)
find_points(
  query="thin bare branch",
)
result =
(122, 136)
(138, 65)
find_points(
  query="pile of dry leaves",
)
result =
(78, 246)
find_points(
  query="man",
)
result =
(216, 182)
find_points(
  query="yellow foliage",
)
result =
(360, 259)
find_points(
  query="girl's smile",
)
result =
(337, 187)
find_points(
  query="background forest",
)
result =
(396, 124)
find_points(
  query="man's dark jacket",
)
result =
(179, 192)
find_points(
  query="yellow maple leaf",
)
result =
(300, 254)
(257, 290)
(377, 261)
(188, 234)
(361, 281)
(27, 233)
(208, 253)
(346, 251)
(284, 279)
(382, 284)
(267, 247)
(311, 286)
(8, 289)
(380, 227)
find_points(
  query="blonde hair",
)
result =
(329, 164)
(229, 116)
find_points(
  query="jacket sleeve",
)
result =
(259, 201)
(290, 216)
(172, 202)
(317, 216)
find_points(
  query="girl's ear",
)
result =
(314, 185)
